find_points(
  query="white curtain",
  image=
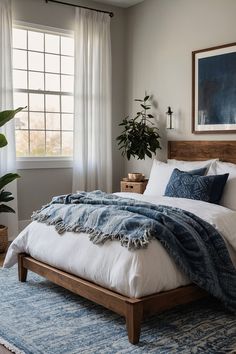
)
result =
(7, 154)
(92, 131)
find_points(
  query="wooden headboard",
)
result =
(202, 150)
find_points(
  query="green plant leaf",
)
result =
(139, 137)
(8, 178)
(3, 140)
(5, 116)
(6, 196)
(138, 100)
(148, 153)
(6, 209)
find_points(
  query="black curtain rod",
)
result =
(83, 7)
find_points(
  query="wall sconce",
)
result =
(169, 123)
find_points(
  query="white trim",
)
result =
(29, 163)
(37, 28)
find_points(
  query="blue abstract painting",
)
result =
(217, 89)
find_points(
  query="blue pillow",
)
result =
(199, 171)
(187, 185)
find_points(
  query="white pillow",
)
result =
(212, 169)
(159, 177)
(195, 164)
(229, 195)
(161, 172)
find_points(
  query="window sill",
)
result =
(30, 163)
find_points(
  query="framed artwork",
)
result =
(214, 90)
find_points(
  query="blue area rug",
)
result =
(40, 317)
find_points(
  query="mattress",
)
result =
(134, 273)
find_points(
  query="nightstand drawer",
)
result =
(133, 187)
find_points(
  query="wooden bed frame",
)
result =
(135, 309)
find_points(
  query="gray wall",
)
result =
(36, 187)
(161, 34)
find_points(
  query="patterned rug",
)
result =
(40, 317)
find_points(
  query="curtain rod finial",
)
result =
(111, 14)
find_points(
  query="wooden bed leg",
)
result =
(22, 272)
(134, 314)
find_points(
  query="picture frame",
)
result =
(214, 90)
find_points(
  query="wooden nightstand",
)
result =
(133, 187)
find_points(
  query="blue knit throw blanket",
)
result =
(196, 247)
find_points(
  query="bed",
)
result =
(128, 300)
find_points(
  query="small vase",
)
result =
(3, 239)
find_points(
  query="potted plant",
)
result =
(140, 137)
(6, 196)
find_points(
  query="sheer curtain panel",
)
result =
(8, 153)
(92, 129)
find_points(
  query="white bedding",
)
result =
(132, 273)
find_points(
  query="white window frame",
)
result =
(33, 162)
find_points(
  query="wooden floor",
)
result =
(3, 350)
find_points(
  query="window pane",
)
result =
(67, 104)
(36, 61)
(52, 43)
(22, 144)
(52, 63)
(67, 46)
(19, 59)
(35, 41)
(21, 120)
(53, 147)
(43, 63)
(67, 65)
(20, 79)
(53, 121)
(20, 99)
(52, 103)
(37, 143)
(67, 121)
(67, 83)
(67, 144)
(36, 81)
(37, 120)
(19, 38)
(36, 102)
(52, 82)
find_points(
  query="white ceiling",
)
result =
(121, 3)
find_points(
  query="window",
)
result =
(43, 75)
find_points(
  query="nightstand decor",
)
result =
(169, 119)
(134, 183)
(136, 177)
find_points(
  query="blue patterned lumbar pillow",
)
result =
(191, 186)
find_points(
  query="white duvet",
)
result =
(131, 273)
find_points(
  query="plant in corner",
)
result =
(140, 137)
(6, 196)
